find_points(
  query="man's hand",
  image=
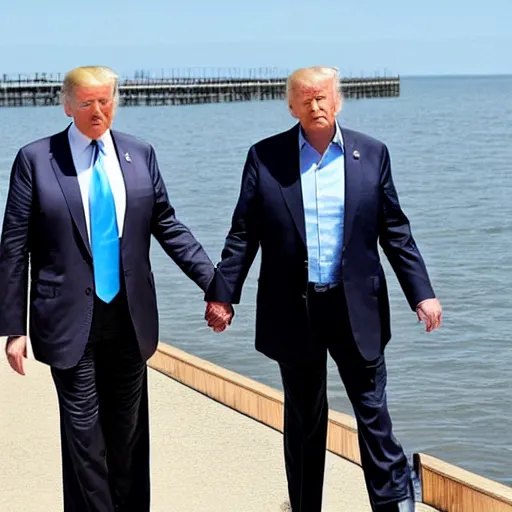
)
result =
(430, 313)
(16, 350)
(218, 315)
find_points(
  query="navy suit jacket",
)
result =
(44, 224)
(270, 214)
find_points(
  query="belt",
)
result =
(323, 287)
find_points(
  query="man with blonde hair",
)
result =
(82, 206)
(318, 199)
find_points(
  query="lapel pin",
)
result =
(356, 154)
(127, 157)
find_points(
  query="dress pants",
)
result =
(103, 403)
(385, 465)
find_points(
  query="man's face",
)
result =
(92, 108)
(315, 105)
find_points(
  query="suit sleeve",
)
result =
(14, 250)
(242, 241)
(174, 237)
(396, 240)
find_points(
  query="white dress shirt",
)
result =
(82, 153)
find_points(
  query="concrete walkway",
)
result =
(205, 456)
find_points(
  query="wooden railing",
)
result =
(443, 486)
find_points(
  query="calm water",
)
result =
(450, 139)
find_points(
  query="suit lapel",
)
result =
(125, 162)
(64, 168)
(291, 184)
(353, 180)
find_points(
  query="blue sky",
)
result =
(360, 37)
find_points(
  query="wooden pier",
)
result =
(40, 90)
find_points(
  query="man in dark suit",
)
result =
(81, 208)
(318, 199)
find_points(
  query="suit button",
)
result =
(304, 295)
(306, 263)
(88, 291)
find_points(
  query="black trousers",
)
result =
(103, 403)
(385, 465)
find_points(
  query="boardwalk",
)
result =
(205, 456)
(186, 91)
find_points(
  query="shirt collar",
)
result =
(337, 139)
(81, 142)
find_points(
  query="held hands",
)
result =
(16, 351)
(430, 313)
(218, 315)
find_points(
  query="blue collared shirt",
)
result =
(323, 191)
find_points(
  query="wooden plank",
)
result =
(452, 489)
(342, 436)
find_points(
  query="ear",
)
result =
(292, 110)
(67, 109)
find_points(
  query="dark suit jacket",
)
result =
(270, 214)
(44, 221)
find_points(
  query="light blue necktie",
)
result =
(104, 232)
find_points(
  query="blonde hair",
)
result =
(89, 75)
(313, 75)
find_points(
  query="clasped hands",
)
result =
(218, 315)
